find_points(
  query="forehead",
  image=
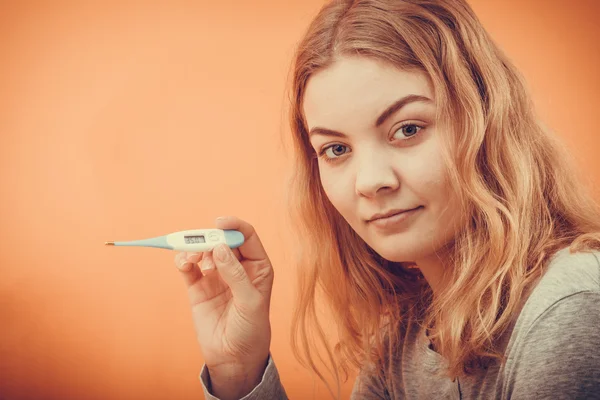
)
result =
(358, 88)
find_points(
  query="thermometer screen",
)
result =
(194, 239)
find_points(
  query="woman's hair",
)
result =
(514, 182)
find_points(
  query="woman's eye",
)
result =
(335, 151)
(409, 130)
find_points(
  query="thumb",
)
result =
(233, 273)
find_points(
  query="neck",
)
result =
(434, 268)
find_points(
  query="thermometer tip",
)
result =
(109, 243)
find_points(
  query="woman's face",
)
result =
(379, 143)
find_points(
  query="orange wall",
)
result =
(109, 114)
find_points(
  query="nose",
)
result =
(375, 173)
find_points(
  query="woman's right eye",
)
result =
(333, 152)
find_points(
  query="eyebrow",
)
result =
(395, 107)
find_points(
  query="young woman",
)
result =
(440, 223)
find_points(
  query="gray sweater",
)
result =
(553, 349)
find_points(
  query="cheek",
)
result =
(426, 180)
(433, 189)
(339, 190)
(425, 173)
(441, 201)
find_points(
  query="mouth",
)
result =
(389, 214)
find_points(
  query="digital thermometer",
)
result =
(199, 240)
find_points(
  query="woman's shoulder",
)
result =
(567, 275)
(554, 346)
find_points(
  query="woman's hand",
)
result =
(230, 298)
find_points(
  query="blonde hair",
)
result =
(515, 183)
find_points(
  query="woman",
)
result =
(458, 254)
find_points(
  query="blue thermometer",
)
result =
(199, 240)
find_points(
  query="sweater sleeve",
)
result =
(270, 386)
(366, 386)
(559, 357)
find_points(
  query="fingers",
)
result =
(230, 270)
(252, 249)
(187, 264)
(234, 274)
(207, 264)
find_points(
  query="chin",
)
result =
(395, 253)
(395, 256)
(399, 248)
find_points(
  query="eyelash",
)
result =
(335, 159)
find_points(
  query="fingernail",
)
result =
(221, 217)
(193, 257)
(222, 252)
(182, 262)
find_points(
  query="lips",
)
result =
(394, 223)
(389, 214)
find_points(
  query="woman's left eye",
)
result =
(409, 130)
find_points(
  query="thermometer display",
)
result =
(194, 239)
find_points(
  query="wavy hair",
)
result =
(515, 182)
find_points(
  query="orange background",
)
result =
(123, 120)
